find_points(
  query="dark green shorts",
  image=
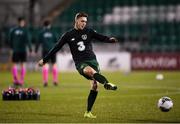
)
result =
(19, 57)
(92, 63)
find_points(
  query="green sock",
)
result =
(100, 78)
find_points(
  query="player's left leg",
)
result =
(15, 74)
(55, 74)
(54, 70)
(22, 59)
(89, 71)
(22, 73)
(91, 99)
(15, 60)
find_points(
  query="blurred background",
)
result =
(148, 30)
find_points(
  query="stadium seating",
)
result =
(153, 24)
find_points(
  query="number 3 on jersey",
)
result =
(81, 46)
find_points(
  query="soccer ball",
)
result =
(159, 77)
(165, 104)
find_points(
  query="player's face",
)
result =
(81, 23)
(22, 23)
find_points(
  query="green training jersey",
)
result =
(19, 39)
(46, 38)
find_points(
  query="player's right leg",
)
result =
(45, 70)
(15, 74)
(15, 59)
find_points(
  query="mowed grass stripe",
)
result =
(134, 101)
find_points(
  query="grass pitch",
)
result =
(134, 101)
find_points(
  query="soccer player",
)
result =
(79, 40)
(19, 39)
(48, 39)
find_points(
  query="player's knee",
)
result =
(89, 71)
(94, 86)
(22, 65)
(54, 65)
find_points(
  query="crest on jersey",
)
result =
(84, 36)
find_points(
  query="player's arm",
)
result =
(10, 38)
(56, 37)
(54, 50)
(103, 38)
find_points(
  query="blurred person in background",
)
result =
(79, 40)
(47, 39)
(19, 39)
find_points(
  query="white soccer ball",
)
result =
(159, 77)
(165, 104)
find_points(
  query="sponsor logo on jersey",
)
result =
(47, 35)
(84, 36)
(18, 32)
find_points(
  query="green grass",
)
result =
(134, 101)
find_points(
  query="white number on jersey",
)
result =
(81, 46)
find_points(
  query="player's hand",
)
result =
(41, 63)
(113, 39)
